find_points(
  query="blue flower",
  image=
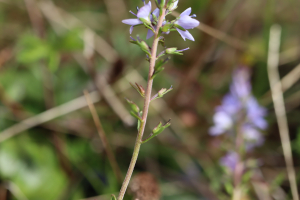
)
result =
(240, 109)
(230, 160)
(143, 13)
(187, 22)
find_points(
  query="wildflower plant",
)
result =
(241, 120)
(158, 26)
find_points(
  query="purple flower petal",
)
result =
(223, 120)
(186, 12)
(132, 22)
(187, 22)
(150, 34)
(241, 85)
(185, 35)
(131, 29)
(250, 133)
(230, 160)
(215, 131)
(144, 11)
(183, 49)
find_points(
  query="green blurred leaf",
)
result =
(54, 60)
(32, 49)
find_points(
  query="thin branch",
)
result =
(277, 95)
(106, 145)
(48, 115)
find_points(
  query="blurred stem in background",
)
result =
(277, 95)
(107, 147)
(147, 101)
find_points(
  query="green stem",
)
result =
(138, 141)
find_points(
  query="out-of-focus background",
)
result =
(51, 51)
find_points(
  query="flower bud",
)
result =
(145, 21)
(166, 28)
(162, 92)
(172, 5)
(171, 50)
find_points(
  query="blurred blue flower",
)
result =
(240, 109)
(143, 12)
(230, 160)
(187, 22)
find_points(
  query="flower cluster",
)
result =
(181, 24)
(241, 114)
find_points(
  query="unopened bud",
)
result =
(166, 27)
(171, 50)
(145, 21)
(144, 46)
(162, 92)
(172, 5)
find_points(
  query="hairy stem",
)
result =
(138, 141)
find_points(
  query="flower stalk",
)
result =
(147, 101)
(157, 24)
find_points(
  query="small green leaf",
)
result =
(159, 67)
(135, 115)
(54, 60)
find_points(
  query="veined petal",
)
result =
(132, 22)
(187, 22)
(186, 12)
(185, 34)
(144, 11)
(149, 34)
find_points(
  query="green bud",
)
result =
(162, 4)
(171, 50)
(144, 46)
(154, 17)
(171, 4)
(133, 106)
(157, 130)
(166, 27)
(161, 92)
(145, 21)
(113, 197)
(139, 89)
